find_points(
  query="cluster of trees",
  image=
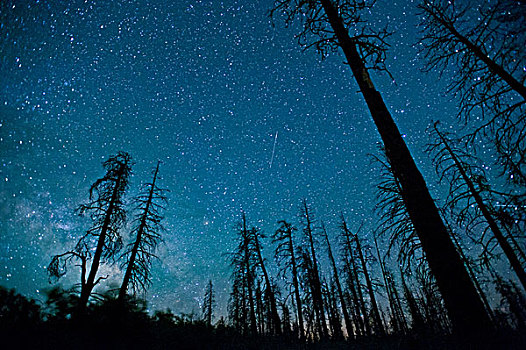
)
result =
(492, 94)
(103, 243)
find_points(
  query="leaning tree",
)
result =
(102, 241)
(137, 259)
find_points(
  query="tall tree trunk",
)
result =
(296, 286)
(316, 290)
(90, 282)
(379, 328)
(495, 229)
(363, 319)
(249, 280)
(140, 231)
(465, 308)
(276, 322)
(396, 314)
(346, 318)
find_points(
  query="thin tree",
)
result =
(209, 302)
(285, 254)
(449, 163)
(103, 238)
(485, 43)
(336, 281)
(360, 313)
(316, 286)
(139, 254)
(378, 326)
(255, 234)
(397, 314)
(332, 22)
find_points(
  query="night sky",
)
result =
(239, 115)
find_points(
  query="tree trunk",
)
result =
(504, 244)
(131, 262)
(295, 283)
(276, 322)
(90, 283)
(346, 318)
(465, 308)
(316, 288)
(379, 329)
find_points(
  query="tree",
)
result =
(378, 326)
(106, 210)
(485, 42)
(332, 22)
(397, 314)
(139, 254)
(312, 270)
(337, 284)
(242, 299)
(361, 320)
(467, 185)
(208, 304)
(286, 257)
(275, 321)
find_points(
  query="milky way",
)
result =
(205, 87)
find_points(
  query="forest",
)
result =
(437, 274)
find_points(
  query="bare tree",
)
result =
(337, 284)
(208, 304)
(485, 43)
(286, 256)
(106, 210)
(313, 269)
(139, 254)
(467, 184)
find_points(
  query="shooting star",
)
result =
(273, 149)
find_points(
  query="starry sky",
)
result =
(239, 115)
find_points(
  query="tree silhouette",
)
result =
(339, 24)
(286, 257)
(467, 184)
(208, 304)
(106, 210)
(487, 53)
(242, 299)
(312, 269)
(275, 322)
(348, 252)
(337, 285)
(139, 254)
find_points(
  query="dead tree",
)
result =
(286, 256)
(314, 274)
(455, 165)
(139, 254)
(360, 314)
(209, 301)
(378, 326)
(337, 284)
(269, 286)
(102, 240)
(485, 44)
